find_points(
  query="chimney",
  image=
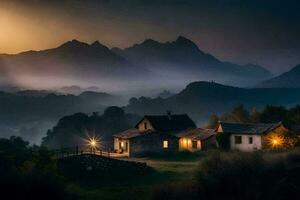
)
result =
(169, 113)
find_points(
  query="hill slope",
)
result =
(290, 79)
(202, 99)
(30, 113)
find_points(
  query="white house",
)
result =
(250, 137)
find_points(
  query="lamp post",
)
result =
(93, 145)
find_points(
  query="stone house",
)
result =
(163, 134)
(153, 134)
(251, 136)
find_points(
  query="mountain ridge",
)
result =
(185, 57)
(146, 64)
(201, 99)
(289, 79)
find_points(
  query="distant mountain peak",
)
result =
(185, 42)
(183, 39)
(97, 44)
(75, 41)
(150, 42)
(73, 44)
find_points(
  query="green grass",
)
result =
(168, 170)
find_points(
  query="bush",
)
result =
(236, 176)
(29, 172)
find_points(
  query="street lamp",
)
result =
(93, 143)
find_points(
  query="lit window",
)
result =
(165, 144)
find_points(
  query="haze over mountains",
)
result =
(144, 66)
(47, 78)
(31, 113)
(183, 59)
(202, 99)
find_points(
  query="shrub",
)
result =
(236, 176)
(29, 172)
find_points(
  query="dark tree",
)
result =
(213, 121)
(273, 114)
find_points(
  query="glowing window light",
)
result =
(185, 141)
(165, 144)
(122, 144)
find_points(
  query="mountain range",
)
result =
(30, 113)
(290, 79)
(183, 59)
(202, 99)
(149, 64)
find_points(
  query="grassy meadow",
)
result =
(34, 172)
(184, 175)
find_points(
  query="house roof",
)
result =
(170, 122)
(131, 133)
(197, 133)
(247, 128)
(295, 129)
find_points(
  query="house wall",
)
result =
(209, 143)
(118, 147)
(245, 146)
(141, 125)
(152, 143)
(116, 144)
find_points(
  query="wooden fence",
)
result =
(73, 151)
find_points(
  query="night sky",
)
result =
(256, 31)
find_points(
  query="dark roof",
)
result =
(130, 133)
(170, 122)
(295, 129)
(197, 133)
(247, 128)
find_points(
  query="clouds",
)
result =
(241, 31)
